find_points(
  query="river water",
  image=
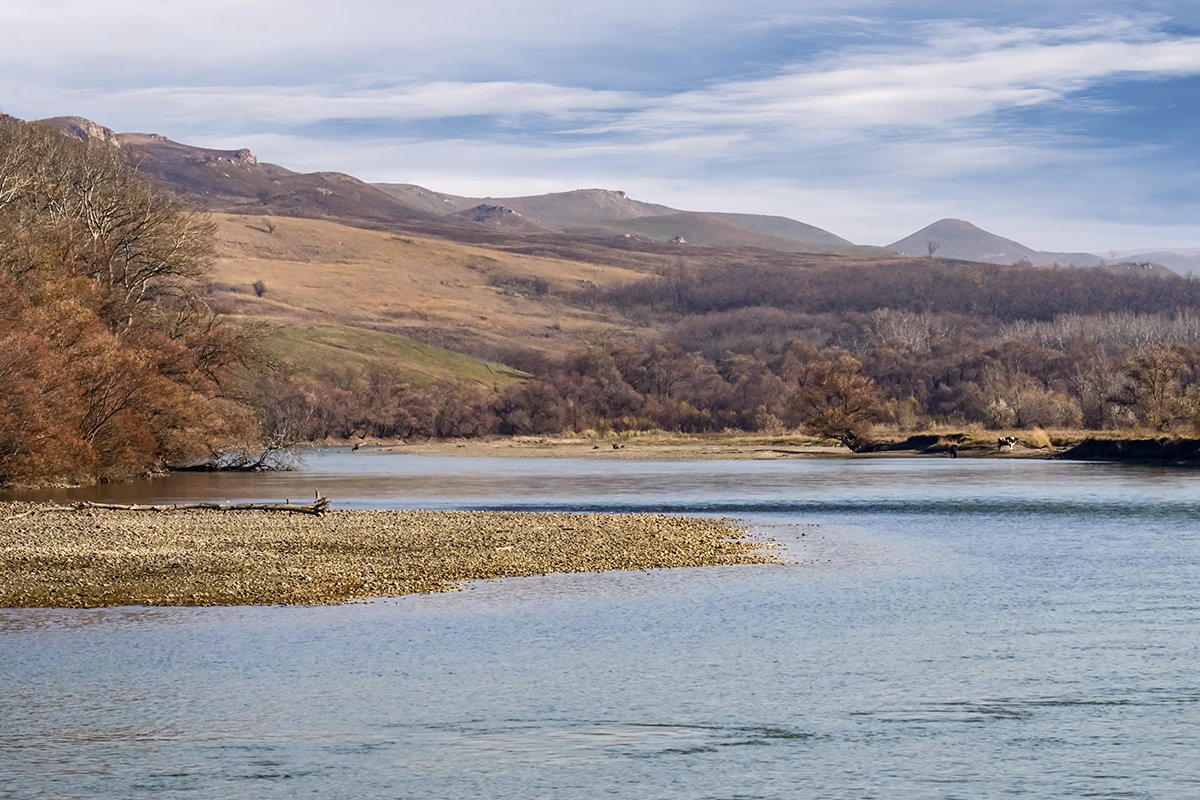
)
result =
(942, 629)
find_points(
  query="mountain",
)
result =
(956, 238)
(235, 181)
(557, 211)
(1185, 261)
(607, 213)
(959, 239)
(717, 230)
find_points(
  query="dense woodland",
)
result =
(831, 350)
(907, 385)
(113, 365)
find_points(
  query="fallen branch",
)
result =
(317, 507)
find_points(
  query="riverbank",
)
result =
(51, 556)
(661, 446)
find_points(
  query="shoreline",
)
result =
(704, 447)
(59, 557)
(657, 446)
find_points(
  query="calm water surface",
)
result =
(943, 629)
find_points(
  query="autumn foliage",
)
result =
(111, 363)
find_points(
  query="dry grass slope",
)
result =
(320, 273)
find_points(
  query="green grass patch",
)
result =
(309, 350)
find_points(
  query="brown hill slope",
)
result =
(466, 298)
(235, 181)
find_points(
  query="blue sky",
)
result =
(1064, 125)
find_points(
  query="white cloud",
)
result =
(926, 86)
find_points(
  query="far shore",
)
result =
(716, 447)
(657, 446)
(59, 556)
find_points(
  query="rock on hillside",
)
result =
(500, 217)
(83, 129)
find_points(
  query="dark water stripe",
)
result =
(964, 507)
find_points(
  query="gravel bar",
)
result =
(53, 556)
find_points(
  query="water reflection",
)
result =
(364, 480)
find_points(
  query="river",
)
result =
(940, 629)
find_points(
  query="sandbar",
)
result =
(53, 556)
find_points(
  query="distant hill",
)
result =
(785, 228)
(1185, 261)
(959, 239)
(436, 204)
(700, 229)
(608, 213)
(956, 238)
(237, 182)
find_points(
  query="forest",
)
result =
(914, 376)
(114, 365)
(828, 349)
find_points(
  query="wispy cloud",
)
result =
(305, 105)
(924, 85)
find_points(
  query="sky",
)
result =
(1068, 126)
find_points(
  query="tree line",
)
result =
(827, 391)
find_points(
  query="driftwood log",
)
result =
(317, 507)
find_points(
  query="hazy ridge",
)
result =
(236, 181)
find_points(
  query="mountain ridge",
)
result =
(235, 181)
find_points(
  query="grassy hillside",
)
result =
(310, 349)
(463, 297)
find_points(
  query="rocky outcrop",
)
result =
(83, 129)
